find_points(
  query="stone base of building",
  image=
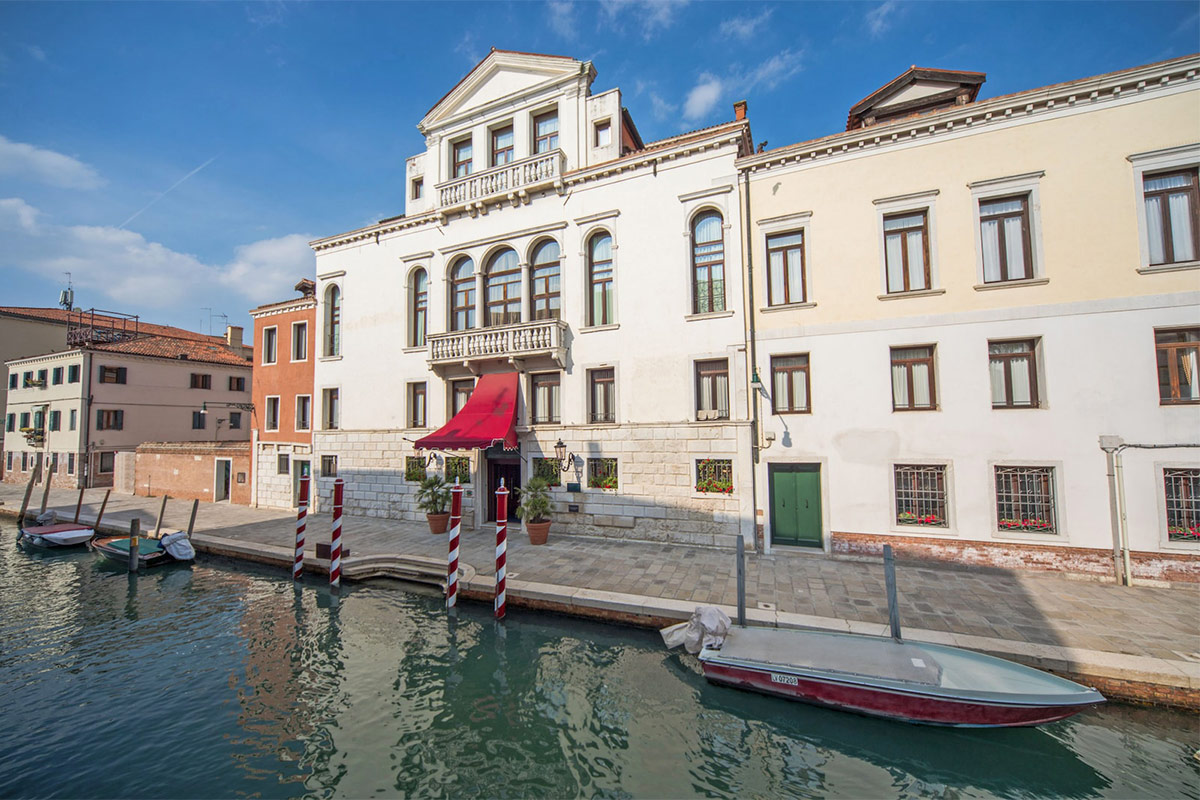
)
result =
(1181, 567)
(59, 480)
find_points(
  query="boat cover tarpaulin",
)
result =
(489, 417)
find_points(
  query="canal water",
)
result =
(220, 681)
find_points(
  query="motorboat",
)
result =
(171, 548)
(48, 532)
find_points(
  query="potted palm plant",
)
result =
(534, 509)
(433, 497)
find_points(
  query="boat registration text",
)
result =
(790, 680)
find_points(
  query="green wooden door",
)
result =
(796, 504)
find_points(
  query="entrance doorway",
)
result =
(795, 504)
(221, 480)
(300, 470)
(508, 468)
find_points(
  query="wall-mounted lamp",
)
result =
(560, 452)
(433, 457)
(241, 406)
(755, 381)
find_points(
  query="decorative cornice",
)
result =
(503, 237)
(702, 193)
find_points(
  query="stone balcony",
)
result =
(512, 343)
(511, 181)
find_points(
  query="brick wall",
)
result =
(186, 470)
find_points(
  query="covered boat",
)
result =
(49, 532)
(173, 547)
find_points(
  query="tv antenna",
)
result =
(66, 298)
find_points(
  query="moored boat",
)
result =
(63, 534)
(172, 548)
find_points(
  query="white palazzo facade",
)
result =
(543, 237)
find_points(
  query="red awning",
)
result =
(488, 418)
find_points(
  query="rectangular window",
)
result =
(25, 461)
(912, 379)
(502, 146)
(544, 389)
(545, 132)
(27, 379)
(548, 470)
(283, 464)
(72, 373)
(1182, 488)
(458, 468)
(1025, 499)
(332, 409)
(271, 421)
(462, 158)
(70, 463)
(712, 389)
(106, 463)
(303, 412)
(237, 384)
(1013, 367)
(329, 466)
(41, 378)
(56, 376)
(55, 420)
(39, 420)
(603, 133)
(602, 406)
(714, 475)
(24, 420)
(1172, 216)
(10, 423)
(1178, 356)
(53, 463)
(414, 469)
(201, 380)
(299, 341)
(921, 495)
(789, 384)
(110, 420)
(112, 374)
(785, 269)
(9, 456)
(906, 250)
(416, 405)
(12, 381)
(198, 418)
(71, 420)
(460, 392)
(269, 345)
(602, 473)
(418, 188)
(235, 420)
(1004, 233)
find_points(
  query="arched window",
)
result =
(504, 289)
(333, 321)
(708, 263)
(462, 295)
(600, 280)
(546, 296)
(418, 309)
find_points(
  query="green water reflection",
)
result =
(212, 681)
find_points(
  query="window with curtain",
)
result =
(602, 405)
(1172, 217)
(789, 384)
(785, 269)
(912, 379)
(906, 250)
(462, 295)
(1178, 356)
(1004, 235)
(600, 279)
(502, 146)
(416, 405)
(332, 405)
(419, 307)
(303, 412)
(272, 414)
(1013, 367)
(462, 158)
(544, 389)
(503, 293)
(708, 263)
(545, 294)
(545, 131)
(712, 389)
(333, 321)
(460, 393)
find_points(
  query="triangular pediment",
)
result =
(916, 90)
(502, 74)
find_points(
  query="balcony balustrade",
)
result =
(523, 340)
(514, 178)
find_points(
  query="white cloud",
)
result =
(745, 27)
(878, 19)
(774, 70)
(46, 166)
(266, 13)
(263, 270)
(703, 97)
(561, 18)
(36, 53)
(662, 109)
(650, 16)
(16, 211)
(469, 47)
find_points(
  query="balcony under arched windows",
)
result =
(462, 295)
(503, 288)
(545, 291)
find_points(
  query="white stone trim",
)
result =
(1029, 184)
(1182, 157)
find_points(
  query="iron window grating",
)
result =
(1182, 494)
(921, 495)
(714, 475)
(602, 473)
(1025, 499)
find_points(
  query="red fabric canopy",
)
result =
(488, 417)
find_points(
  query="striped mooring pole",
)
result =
(501, 546)
(335, 544)
(456, 494)
(301, 520)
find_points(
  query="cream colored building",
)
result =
(954, 299)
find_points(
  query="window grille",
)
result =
(414, 469)
(1182, 489)
(547, 469)
(602, 473)
(329, 466)
(714, 475)
(1025, 499)
(458, 468)
(921, 495)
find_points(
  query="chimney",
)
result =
(739, 110)
(307, 288)
(233, 337)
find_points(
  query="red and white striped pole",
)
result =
(301, 519)
(456, 494)
(501, 546)
(335, 544)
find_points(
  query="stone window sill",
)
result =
(418, 349)
(1178, 266)
(708, 315)
(786, 307)
(331, 358)
(987, 287)
(597, 328)
(916, 293)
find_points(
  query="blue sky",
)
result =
(179, 156)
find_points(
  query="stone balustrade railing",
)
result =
(528, 172)
(523, 340)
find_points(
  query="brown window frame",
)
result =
(415, 419)
(549, 139)
(776, 369)
(270, 345)
(538, 415)
(300, 343)
(333, 321)
(463, 289)
(597, 279)
(272, 401)
(1193, 175)
(712, 259)
(329, 466)
(201, 380)
(111, 374)
(1035, 511)
(418, 188)
(497, 312)
(1002, 237)
(456, 388)
(497, 150)
(786, 251)
(419, 311)
(921, 496)
(708, 371)
(604, 376)
(461, 167)
(1181, 497)
(1007, 359)
(331, 408)
(1167, 351)
(237, 383)
(542, 297)
(908, 364)
(904, 233)
(306, 417)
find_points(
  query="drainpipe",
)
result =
(1110, 445)
(1124, 523)
(752, 345)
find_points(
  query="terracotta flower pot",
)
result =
(537, 531)
(438, 522)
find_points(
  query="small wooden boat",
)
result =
(169, 549)
(62, 534)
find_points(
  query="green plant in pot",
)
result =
(534, 509)
(433, 497)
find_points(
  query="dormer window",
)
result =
(545, 131)
(462, 158)
(502, 146)
(603, 133)
(418, 188)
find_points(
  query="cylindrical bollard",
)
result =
(335, 544)
(456, 494)
(134, 529)
(301, 519)
(501, 546)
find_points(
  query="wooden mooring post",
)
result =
(162, 510)
(78, 506)
(33, 477)
(46, 491)
(741, 581)
(134, 528)
(103, 506)
(192, 518)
